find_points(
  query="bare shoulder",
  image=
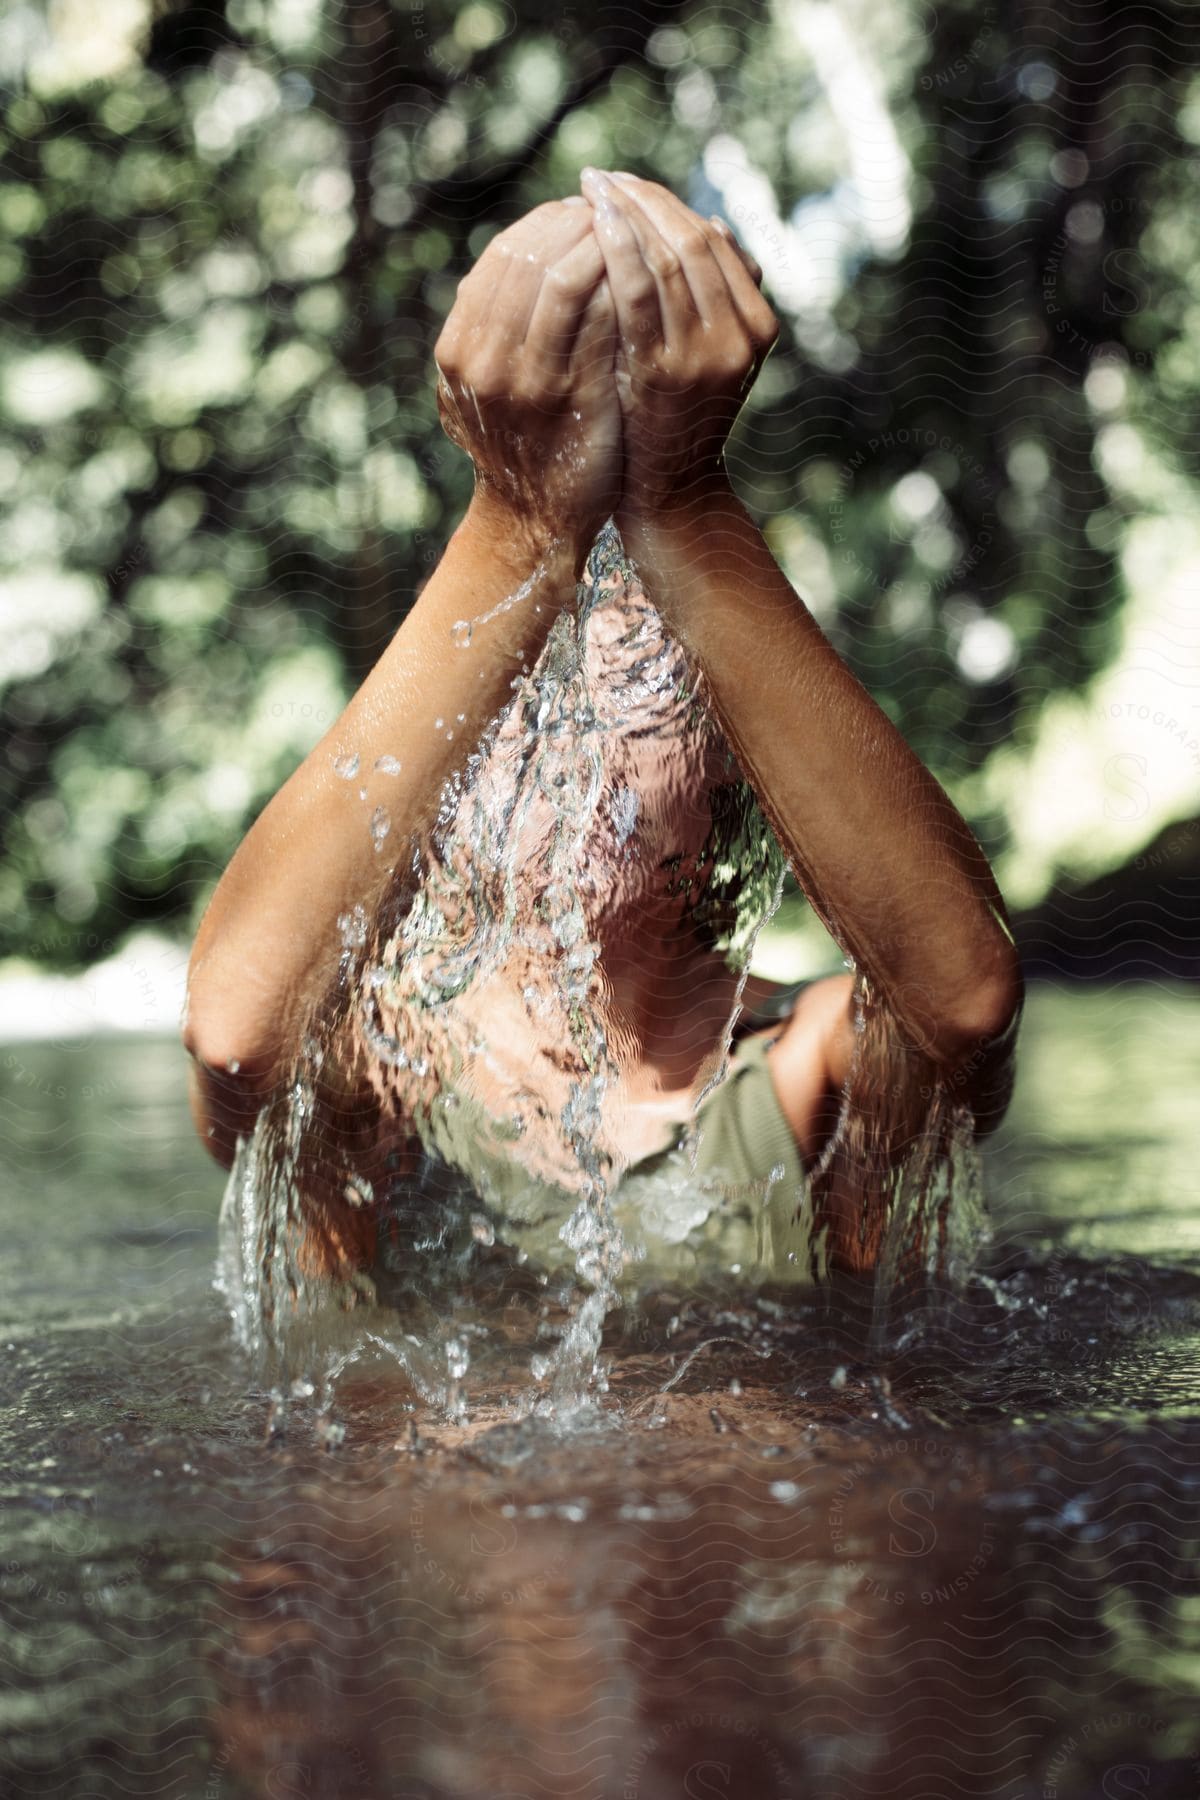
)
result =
(811, 1060)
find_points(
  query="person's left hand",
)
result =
(525, 379)
(694, 332)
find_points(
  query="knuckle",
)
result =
(524, 391)
(689, 239)
(641, 292)
(661, 375)
(762, 324)
(733, 360)
(489, 383)
(601, 299)
(563, 281)
(554, 220)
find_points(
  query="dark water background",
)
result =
(966, 1566)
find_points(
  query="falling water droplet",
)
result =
(358, 1191)
(353, 927)
(557, 735)
(623, 808)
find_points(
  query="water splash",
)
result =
(488, 945)
(897, 1197)
(543, 777)
(464, 629)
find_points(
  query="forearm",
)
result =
(269, 942)
(884, 856)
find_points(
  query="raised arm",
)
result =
(525, 386)
(882, 853)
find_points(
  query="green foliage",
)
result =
(227, 244)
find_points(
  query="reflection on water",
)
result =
(766, 1562)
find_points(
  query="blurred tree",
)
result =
(231, 233)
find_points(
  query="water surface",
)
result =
(769, 1563)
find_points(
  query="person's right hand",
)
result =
(525, 382)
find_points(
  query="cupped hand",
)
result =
(525, 382)
(694, 332)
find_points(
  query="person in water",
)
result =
(592, 366)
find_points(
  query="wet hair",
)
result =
(549, 801)
(610, 680)
(733, 882)
(745, 870)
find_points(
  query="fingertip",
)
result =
(605, 188)
(750, 263)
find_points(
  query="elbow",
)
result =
(211, 1118)
(978, 1044)
(988, 1017)
(231, 1076)
(971, 1022)
(216, 1044)
(231, 1023)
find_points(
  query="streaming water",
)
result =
(480, 1021)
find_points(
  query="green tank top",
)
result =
(728, 1190)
